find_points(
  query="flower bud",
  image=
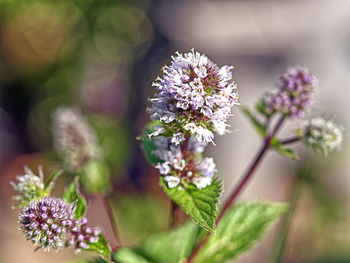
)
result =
(75, 140)
(29, 185)
(322, 136)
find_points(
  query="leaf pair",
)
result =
(241, 227)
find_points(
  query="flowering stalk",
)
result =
(251, 170)
(193, 101)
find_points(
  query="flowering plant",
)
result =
(193, 101)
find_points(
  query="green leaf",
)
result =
(129, 255)
(72, 194)
(172, 247)
(132, 211)
(241, 227)
(101, 247)
(50, 183)
(200, 204)
(287, 152)
(95, 177)
(260, 128)
(148, 145)
(260, 106)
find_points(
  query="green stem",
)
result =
(282, 239)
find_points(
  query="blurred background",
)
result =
(102, 57)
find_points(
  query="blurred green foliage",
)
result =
(139, 216)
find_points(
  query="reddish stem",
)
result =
(245, 179)
(176, 215)
(112, 222)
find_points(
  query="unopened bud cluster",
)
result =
(322, 135)
(293, 95)
(29, 185)
(75, 140)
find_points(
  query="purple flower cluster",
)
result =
(294, 93)
(183, 166)
(48, 222)
(194, 96)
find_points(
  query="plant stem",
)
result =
(197, 248)
(176, 214)
(285, 228)
(251, 170)
(245, 178)
(290, 140)
(238, 189)
(112, 221)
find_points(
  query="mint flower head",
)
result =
(75, 140)
(194, 96)
(49, 223)
(46, 222)
(183, 166)
(28, 186)
(322, 135)
(294, 93)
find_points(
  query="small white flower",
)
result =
(157, 131)
(191, 127)
(177, 138)
(207, 167)
(220, 127)
(172, 181)
(179, 164)
(204, 135)
(163, 168)
(202, 182)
